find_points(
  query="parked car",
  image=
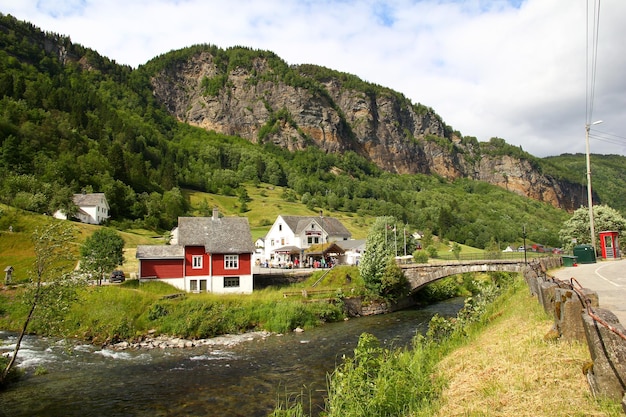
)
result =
(117, 276)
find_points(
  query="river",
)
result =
(247, 379)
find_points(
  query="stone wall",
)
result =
(577, 317)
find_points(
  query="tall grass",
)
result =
(488, 361)
(383, 382)
(129, 311)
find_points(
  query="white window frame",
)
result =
(196, 261)
(231, 261)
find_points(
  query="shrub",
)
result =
(420, 256)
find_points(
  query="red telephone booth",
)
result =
(609, 242)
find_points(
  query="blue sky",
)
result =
(513, 69)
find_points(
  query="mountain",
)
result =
(226, 121)
(608, 176)
(257, 96)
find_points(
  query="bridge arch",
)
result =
(420, 275)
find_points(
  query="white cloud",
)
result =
(512, 69)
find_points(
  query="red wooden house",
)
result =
(212, 254)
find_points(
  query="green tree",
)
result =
(578, 229)
(48, 303)
(394, 283)
(456, 250)
(378, 255)
(102, 252)
(175, 205)
(492, 250)
(63, 199)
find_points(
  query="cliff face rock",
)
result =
(520, 177)
(257, 104)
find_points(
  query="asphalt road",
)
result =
(606, 278)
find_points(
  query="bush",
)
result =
(432, 251)
(420, 256)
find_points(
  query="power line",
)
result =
(608, 138)
(592, 58)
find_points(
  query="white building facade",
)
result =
(290, 236)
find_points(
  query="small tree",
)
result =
(102, 252)
(394, 283)
(379, 253)
(578, 227)
(420, 256)
(492, 251)
(48, 303)
(456, 250)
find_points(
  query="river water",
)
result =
(247, 379)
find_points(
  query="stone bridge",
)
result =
(420, 275)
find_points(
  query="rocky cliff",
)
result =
(260, 98)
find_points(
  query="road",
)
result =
(606, 278)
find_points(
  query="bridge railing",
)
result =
(488, 256)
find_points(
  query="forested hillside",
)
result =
(72, 120)
(608, 175)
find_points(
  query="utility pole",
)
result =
(589, 193)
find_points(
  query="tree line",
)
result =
(87, 124)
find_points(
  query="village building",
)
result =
(211, 254)
(288, 241)
(93, 208)
(353, 250)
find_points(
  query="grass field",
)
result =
(509, 369)
(266, 204)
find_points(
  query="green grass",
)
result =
(16, 248)
(492, 360)
(125, 312)
(266, 205)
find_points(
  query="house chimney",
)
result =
(216, 213)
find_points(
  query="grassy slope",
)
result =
(266, 204)
(16, 248)
(508, 369)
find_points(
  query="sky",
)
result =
(521, 70)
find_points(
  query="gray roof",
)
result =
(88, 200)
(350, 244)
(160, 252)
(217, 235)
(331, 226)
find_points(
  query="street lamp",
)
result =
(589, 198)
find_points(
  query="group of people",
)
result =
(295, 263)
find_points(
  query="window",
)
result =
(280, 227)
(231, 262)
(196, 261)
(317, 240)
(310, 240)
(193, 285)
(203, 285)
(231, 282)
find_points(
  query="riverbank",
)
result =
(170, 342)
(513, 367)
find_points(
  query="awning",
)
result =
(292, 250)
(324, 249)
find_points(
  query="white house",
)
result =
(290, 236)
(93, 208)
(354, 249)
